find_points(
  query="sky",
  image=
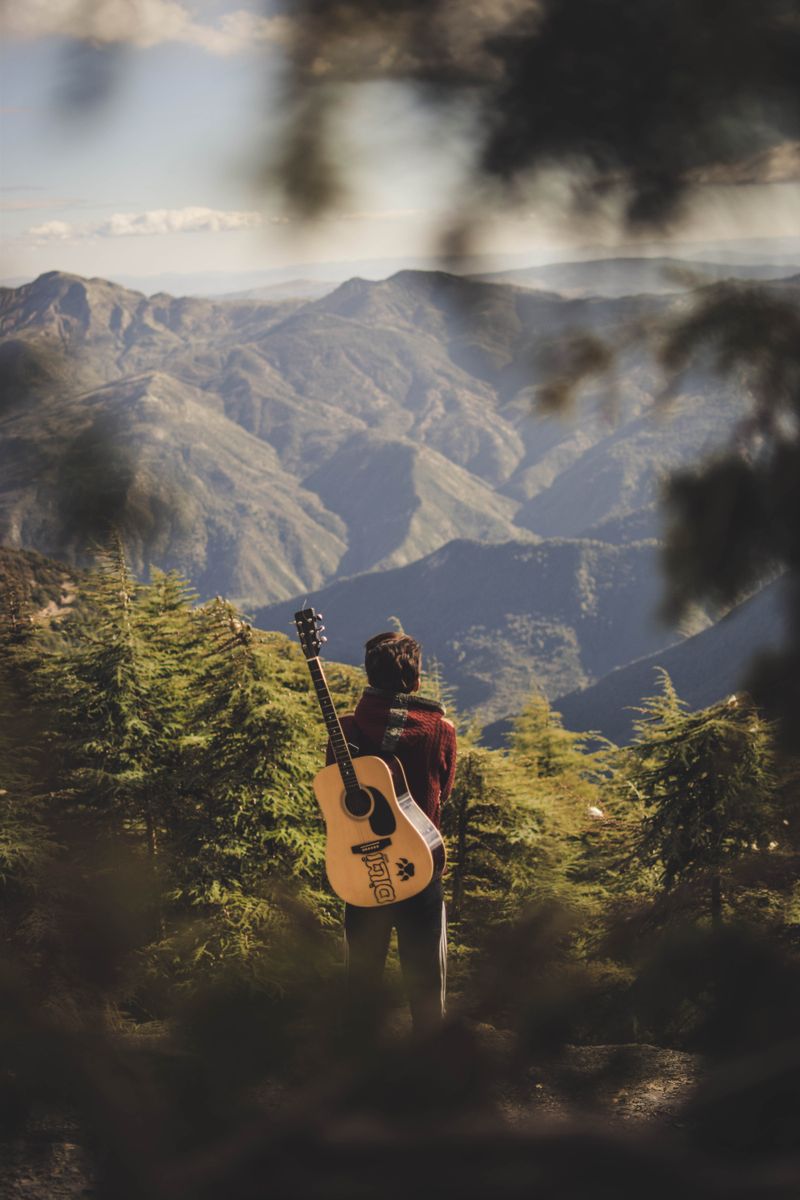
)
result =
(162, 176)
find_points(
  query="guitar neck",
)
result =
(341, 752)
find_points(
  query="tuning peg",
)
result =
(319, 616)
(323, 639)
(321, 628)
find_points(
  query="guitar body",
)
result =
(381, 847)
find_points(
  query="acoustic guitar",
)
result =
(380, 845)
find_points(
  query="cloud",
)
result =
(141, 23)
(155, 223)
(176, 220)
(52, 231)
(160, 221)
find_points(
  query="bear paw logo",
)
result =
(405, 869)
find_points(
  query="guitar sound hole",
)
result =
(359, 804)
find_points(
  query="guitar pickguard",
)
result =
(381, 820)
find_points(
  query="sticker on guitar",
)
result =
(405, 869)
(380, 879)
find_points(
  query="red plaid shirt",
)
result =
(414, 730)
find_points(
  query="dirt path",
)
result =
(638, 1084)
(634, 1084)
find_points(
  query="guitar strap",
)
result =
(364, 744)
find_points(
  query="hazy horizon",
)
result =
(135, 142)
(784, 252)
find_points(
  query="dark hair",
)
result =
(392, 662)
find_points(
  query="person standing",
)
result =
(391, 721)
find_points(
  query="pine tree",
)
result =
(571, 773)
(539, 741)
(245, 830)
(494, 832)
(26, 846)
(707, 782)
(435, 686)
(108, 730)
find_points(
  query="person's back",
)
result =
(391, 721)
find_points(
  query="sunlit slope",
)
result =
(112, 331)
(187, 488)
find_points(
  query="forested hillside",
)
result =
(182, 729)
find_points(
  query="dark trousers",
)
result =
(421, 944)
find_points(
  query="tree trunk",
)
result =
(716, 901)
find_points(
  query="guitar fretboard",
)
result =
(341, 752)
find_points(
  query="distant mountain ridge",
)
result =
(271, 449)
(411, 373)
(704, 668)
(627, 276)
(504, 619)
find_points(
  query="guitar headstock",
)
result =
(309, 630)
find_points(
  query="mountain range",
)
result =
(631, 276)
(704, 668)
(503, 620)
(377, 446)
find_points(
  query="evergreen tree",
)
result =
(494, 830)
(112, 709)
(580, 763)
(26, 846)
(435, 686)
(707, 783)
(571, 773)
(539, 740)
(245, 831)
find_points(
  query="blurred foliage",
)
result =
(638, 102)
(637, 98)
